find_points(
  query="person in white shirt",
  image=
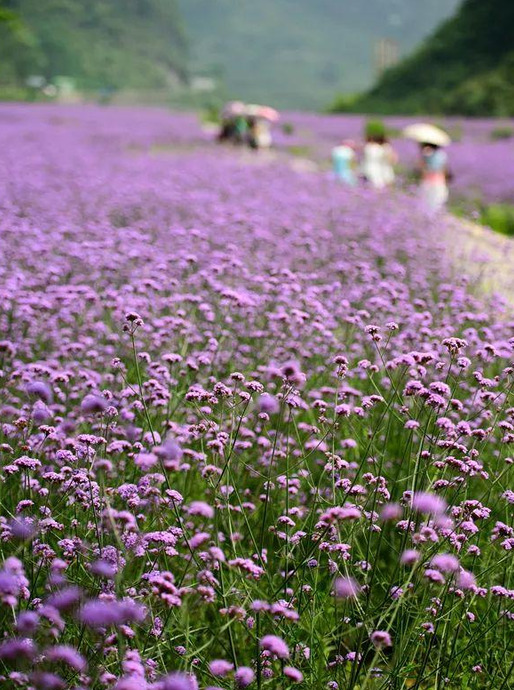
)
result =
(378, 159)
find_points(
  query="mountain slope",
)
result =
(466, 66)
(298, 53)
(115, 43)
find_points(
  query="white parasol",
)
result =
(262, 111)
(427, 134)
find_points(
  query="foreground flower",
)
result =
(428, 503)
(409, 557)
(179, 681)
(381, 639)
(275, 645)
(244, 676)
(346, 588)
(220, 667)
(445, 562)
(68, 655)
(93, 404)
(268, 404)
(293, 674)
(101, 613)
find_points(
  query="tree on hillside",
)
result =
(134, 43)
(18, 46)
(462, 67)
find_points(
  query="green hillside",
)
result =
(466, 67)
(298, 53)
(101, 43)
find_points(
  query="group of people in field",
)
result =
(250, 125)
(373, 164)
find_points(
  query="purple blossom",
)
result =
(428, 503)
(102, 613)
(17, 648)
(202, 509)
(409, 557)
(40, 389)
(445, 562)
(293, 674)
(381, 639)
(179, 681)
(466, 580)
(103, 569)
(27, 622)
(268, 404)
(244, 676)
(65, 599)
(220, 667)
(43, 680)
(275, 645)
(92, 404)
(66, 654)
(346, 588)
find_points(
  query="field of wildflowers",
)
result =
(256, 430)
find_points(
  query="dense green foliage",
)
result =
(297, 53)
(466, 67)
(100, 43)
(499, 217)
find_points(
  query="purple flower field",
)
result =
(256, 430)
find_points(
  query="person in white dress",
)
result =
(378, 159)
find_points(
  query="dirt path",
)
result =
(485, 255)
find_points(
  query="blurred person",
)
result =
(227, 129)
(234, 125)
(240, 129)
(378, 158)
(259, 133)
(252, 137)
(434, 176)
(344, 162)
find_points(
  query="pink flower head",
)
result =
(465, 580)
(430, 504)
(202, 509)
(293, 674)
(391, 511)
(93, 404)
(99, 613)
(346, 588)
(409, 557)
(268, 404)
(445, 562)
(220, 667)
(41, 390)
(381, 639)
(275, 645)
(244, 676)
(67, 655)
(179, 681)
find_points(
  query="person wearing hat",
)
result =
(434, 163)
(434, 176)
